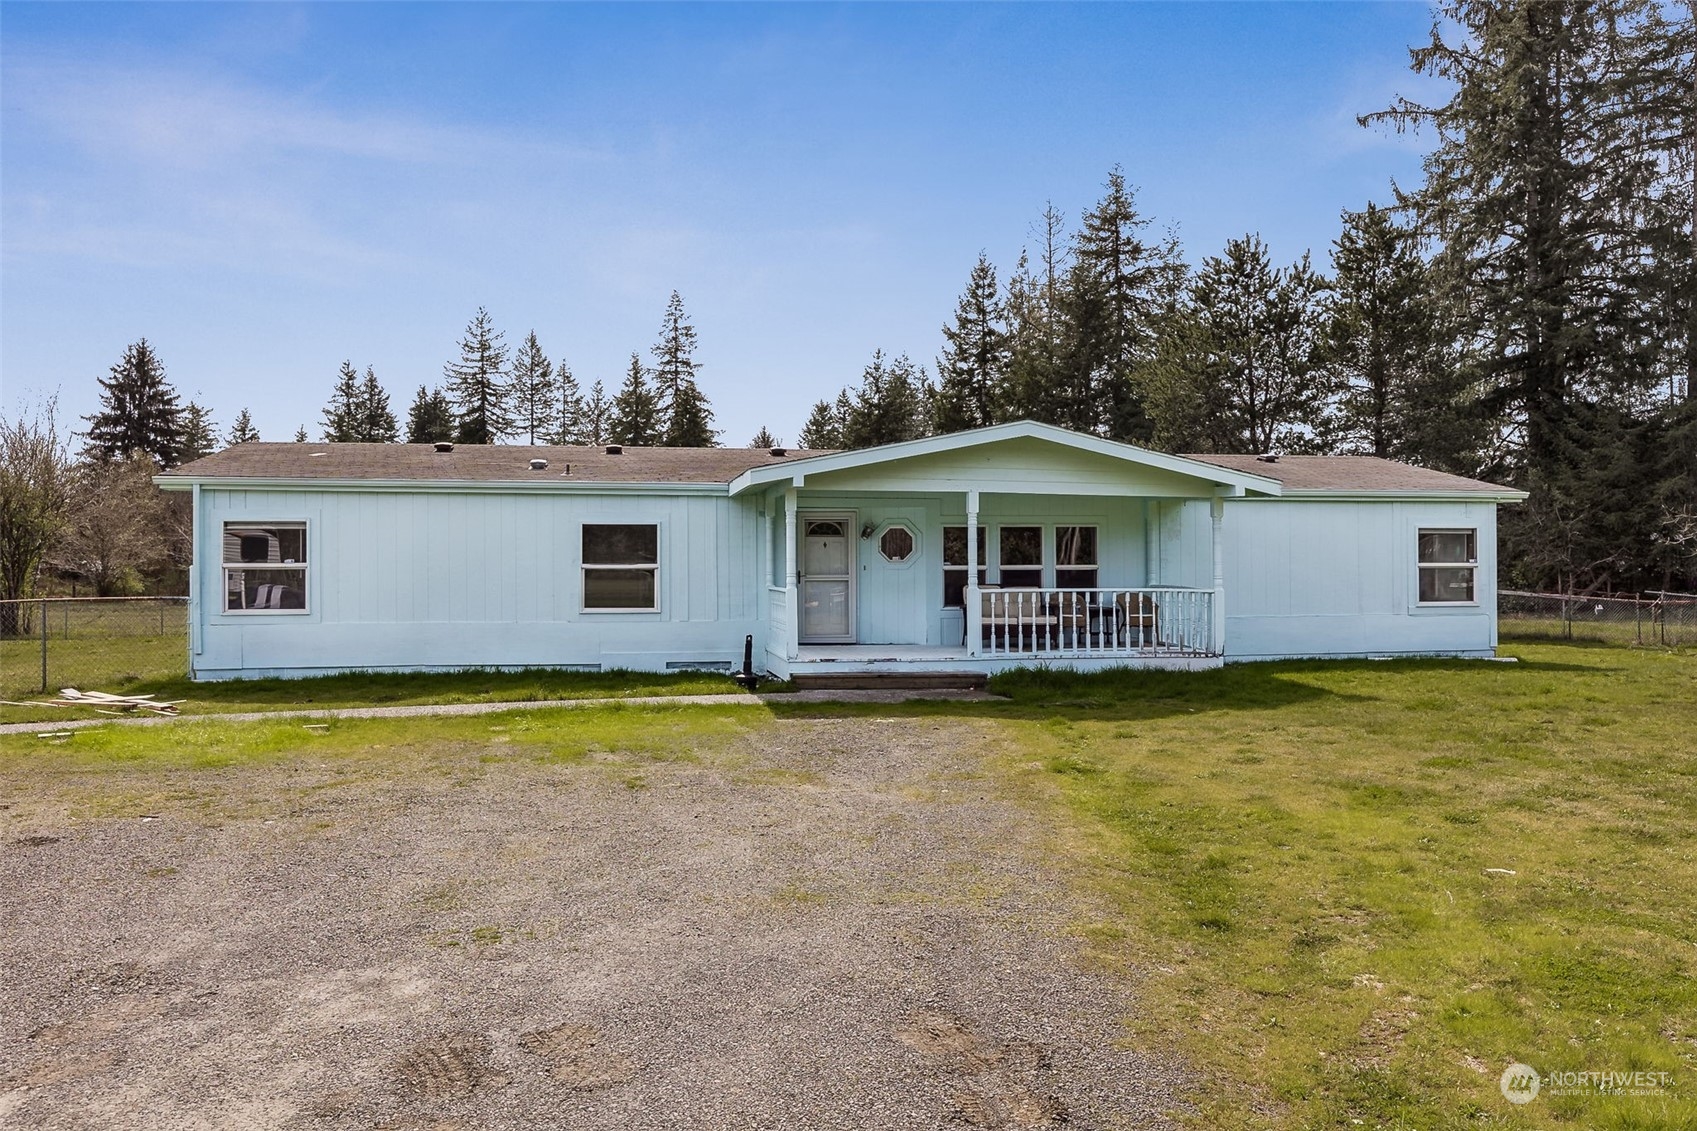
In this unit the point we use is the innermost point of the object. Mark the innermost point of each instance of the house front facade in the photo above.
(1005, 546)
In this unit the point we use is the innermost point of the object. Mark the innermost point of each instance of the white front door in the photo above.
(827, 578)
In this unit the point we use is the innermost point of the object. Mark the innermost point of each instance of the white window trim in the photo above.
(305, 568)
(1055, 541)
(584, 568)
(1419, 566)
(1043, 536)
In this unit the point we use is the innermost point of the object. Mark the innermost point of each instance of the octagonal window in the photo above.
(897, 544)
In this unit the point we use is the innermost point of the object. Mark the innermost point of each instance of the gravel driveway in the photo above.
(823, 924)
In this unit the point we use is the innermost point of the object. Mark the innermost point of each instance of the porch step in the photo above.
(890, 681)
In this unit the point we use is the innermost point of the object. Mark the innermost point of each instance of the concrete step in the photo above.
(890, 681)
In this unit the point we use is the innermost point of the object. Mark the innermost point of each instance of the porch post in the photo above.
(1151, 543)
(792, 626)
(973, 614)
(1217, 512)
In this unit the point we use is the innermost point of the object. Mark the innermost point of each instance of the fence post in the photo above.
(44, 645)
(1637, 618)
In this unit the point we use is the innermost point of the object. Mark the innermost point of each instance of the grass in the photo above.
(1360, 891)
(373, 689)
(1350, 894)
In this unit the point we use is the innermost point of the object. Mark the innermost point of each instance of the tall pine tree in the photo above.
(634, 416)
(1037, 326)
(891, 405)
(596, 419)
(823, 430)
(477, 384)
(534, 400)
(687, 418)
(344, 418)
(570, 427)
(430, 420)
(138, 411)
(200, 434)
(377, 419)
(974, 363)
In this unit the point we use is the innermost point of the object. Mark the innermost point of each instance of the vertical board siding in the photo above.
(480, 579)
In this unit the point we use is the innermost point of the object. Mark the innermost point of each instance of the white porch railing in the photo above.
(1090, 622)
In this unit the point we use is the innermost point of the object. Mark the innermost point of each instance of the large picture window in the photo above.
(954, 565)
(1075, 557)
(1022, 557)
(1449, 559)
(621, 564)
(264, 567)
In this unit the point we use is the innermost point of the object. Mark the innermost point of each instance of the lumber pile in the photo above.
(107, 704)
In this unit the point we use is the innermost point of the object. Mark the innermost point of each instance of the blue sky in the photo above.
(266, 190)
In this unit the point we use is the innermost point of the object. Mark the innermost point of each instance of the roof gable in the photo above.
(1019, 456)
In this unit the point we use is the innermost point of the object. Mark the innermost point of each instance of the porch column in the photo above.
(1217, 512)
(973, 613)
(792, 627)
(1151, 543)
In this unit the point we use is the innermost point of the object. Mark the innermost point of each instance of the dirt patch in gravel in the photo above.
(819, 924)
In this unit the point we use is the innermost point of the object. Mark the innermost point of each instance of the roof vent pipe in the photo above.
(444, 446)
(615, 449)
(539, 465)
(780, 451)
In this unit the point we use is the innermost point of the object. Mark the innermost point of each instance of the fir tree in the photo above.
(597, 418)
(1037, 329)
(1121, 285)
(823, 430)
(687, 418)
(300, 435)
(975, 356)
(430, 420)
(891, 405)
(634, 416)
(138, 411)
(377, 419)
(242, 431)
(200, 434)
(477, 383)
(344, 417)
(534, 393)
(571, 428)
(764, 439)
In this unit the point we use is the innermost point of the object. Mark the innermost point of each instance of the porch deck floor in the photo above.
(861, 653)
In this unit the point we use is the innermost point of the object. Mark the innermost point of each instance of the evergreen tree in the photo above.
(200, 434)
(300, 435)
(1404, 385)
(430, 420)
(891, 405)
(596, 420)
(572, 427)
(344, 416)
(1240, 364)
(975, 356)
(477, 384)
(1121, 285)
(823, 430)
(687, 418)
(138, 411)
(634, 416)
(764, 439)
(534, 393)
(377, 419)
(242, 431)
(1037, 326)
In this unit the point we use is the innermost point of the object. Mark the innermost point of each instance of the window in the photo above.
(1448, 561)
(620, 566)
(1075, 557)
(954, 565)
(264, 567)
(897, 543)
(1022, 557)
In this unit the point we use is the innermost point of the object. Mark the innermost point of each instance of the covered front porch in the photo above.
(1003, 552)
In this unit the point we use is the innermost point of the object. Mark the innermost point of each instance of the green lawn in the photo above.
(1350, 894)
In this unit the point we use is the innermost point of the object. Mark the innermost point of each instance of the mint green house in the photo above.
(1011, 545)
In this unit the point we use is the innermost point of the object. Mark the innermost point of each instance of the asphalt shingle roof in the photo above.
(500, 463)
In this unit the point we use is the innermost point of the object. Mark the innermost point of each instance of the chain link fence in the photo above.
(1667, 620)
(90, 643)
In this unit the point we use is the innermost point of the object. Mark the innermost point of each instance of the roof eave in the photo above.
(1346, 494)
(495, 486)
